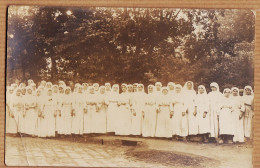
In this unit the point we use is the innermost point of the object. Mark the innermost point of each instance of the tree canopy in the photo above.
(130, 45)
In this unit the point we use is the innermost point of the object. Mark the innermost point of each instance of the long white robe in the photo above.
(238, 124)
(202, 105)
(189, 97)
(150, 116)
(124, 115)
(11, 122)
(112, 111)
(66, 110)
(164, 122)
(77, 118)
(59, 118)
(40, 120)
(101, 114)
(179, 122)
(225, 117)
(89, 116)
(214, 108)
(49, 112)
(31, 115)
(138, 107)
(248, 119)
(17, 106)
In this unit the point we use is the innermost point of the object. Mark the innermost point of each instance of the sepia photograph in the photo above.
(129, 87)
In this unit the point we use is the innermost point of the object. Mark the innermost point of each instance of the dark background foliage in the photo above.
(131, 45)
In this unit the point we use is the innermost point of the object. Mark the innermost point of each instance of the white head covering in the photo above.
(158, 83)
(164, 88)
(178, 86)
(203, 87)
(192, 85)
(115, 85)
(149, 87)
(67, 88)
(102, 87)
(140, 85)
(234, 88)
(226, 89)
(214, 84)
(250, 88)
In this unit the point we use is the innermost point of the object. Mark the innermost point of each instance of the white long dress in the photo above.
(238, 124)
(66, 109)
(248, 119)
(138, 108)
(214, 108)
(189, 97)
(11, 122)
(124, 115)
(150, 116)
(225, 117)
(77, 118)
(164, 122)
(40, 120)
(18, 110)
(202, 105)
(179, 122)
(89, 116)
(31, 115)
(112, 111)
(49, 111)
(59, 118)
(99, 116)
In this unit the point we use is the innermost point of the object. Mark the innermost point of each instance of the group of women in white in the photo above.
(171, 111)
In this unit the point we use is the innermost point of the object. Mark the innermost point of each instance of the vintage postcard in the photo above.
(129, 87)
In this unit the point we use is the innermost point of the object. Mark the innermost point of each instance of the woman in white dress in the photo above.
(112, 111)
(96, 87)
(238, 117)
(248, 100)
(17, 106)
(158, 87)
(78, 111)
(214, 98)
(60, 114)
(135, 87)
(85, 88)
(226, 131)
(150, 114)
(137, 112)
(30, 114)
(49, 112)
(165, 112)
(189, 96)
(202, 110)
(179, 116)
(38, 109)
(170, 87)
(66, 111)
(124, 113)
(11, 123)
(90, 110)
(108, 87)
(101, 114)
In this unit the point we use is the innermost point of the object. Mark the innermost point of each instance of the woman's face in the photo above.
(18, 93)
(92, 91)
(135, 88)
(11, 91)
(67, 91)
(189, 86)
(38, 93)
(130, 89)
(115, 89)
(29, 91)
(23, 91)
(108, 88)
(178, 90)
(171, 87)
(80, 90)
(85, 87)
(248, 92)
(226, 94)
(96, 87)
(49, 93)
(165, 92)
(213, 88)
(61, 90)
(158, 87)
(123, 88)
(55, 90)
(201, 90)
(49, 86)
(235, 92)
(102, 90)
(140, 88)
(150, 89)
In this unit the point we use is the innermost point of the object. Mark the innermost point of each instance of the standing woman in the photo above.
(248, 100)
(202, 110)
(49, 109)
(238, 116)
(38, 109)
(85, 88)
(90, 110)
(214, 98)
(226, 131)
(158, 87)
(78, 110)
(124, 113)
(96, 87)
(17, 106)
(149, 117)
(30, 114)
(170, 87)
(11, 122)
(137, 112)
(112, 111)
(108, 87)
(60, 114)
(179, 116)
(101, 114)
(189, 96)
(165, 112)
(66, 109)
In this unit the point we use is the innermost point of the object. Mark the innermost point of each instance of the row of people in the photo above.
(162, 112)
